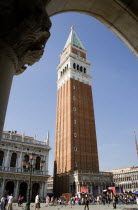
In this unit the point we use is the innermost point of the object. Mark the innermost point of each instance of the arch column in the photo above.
(25, 34)
(45, 189)
(6, 158)
(16, 191)
(8, 65)
(3, 187)
(20, 162)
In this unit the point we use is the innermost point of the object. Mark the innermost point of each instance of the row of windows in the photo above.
(79, 68)
(75, 66)
(126, 178)
(14, 160)
(129, 186)
(64, 70)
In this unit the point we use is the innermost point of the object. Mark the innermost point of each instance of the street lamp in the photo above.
(30, 167)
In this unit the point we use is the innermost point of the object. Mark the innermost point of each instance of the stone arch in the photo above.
(1, 157)
(37, 165)
(23, 190)
(35, 190)
(121, 16)
(13, 159)
(9, 188)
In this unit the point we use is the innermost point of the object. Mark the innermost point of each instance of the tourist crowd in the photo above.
(85, 199)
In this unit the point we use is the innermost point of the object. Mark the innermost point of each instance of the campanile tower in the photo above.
(76, 144)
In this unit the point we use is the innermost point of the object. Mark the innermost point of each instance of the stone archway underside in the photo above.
(120, 16)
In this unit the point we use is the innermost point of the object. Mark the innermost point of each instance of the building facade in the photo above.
(126, 179)
(50, 186)
(14, 177)
(76, 145)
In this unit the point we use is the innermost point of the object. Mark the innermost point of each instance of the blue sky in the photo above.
(32, 102)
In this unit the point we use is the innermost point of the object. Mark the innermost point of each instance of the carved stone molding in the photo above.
(25, 27)
(9, 52)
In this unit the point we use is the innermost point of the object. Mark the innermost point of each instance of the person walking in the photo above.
(115, 200)
(19, 200)
(3, 202)
(37, 202)
(47, 201)
(86, 204)
(10, 201)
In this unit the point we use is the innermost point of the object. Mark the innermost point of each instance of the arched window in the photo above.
(13, 160)
(1, 157)
(67, 66)
(61, 74)
(63, 71)
(74, 65)
(77, 67)
(26, 157)
(84, 70)
(81, 68)
(37, 165)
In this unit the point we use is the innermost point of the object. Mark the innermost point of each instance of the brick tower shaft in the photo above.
(76, 144)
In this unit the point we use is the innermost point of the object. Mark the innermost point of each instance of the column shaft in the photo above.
(8, 63)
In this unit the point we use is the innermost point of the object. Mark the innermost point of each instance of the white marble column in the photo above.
(20, 161)
(91, 189)
(45, 164)
(6, 158)
(77, 188)
(3, 187)
(16, 191)
(99, 190)
(45, 189)
(8, 65)
(41, 190)
(47, 161)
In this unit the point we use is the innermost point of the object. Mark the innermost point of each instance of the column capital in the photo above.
(25, 28)
(7, 50)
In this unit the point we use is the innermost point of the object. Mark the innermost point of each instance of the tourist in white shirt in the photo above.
(37, 202)
(10, 201)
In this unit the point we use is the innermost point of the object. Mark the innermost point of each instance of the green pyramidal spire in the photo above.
(73, 40)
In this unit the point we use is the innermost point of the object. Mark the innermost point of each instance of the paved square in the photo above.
(78, 207)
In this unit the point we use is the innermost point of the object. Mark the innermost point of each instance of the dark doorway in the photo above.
(9, 188)
(35, 190)
(23, 190)
(1, 157)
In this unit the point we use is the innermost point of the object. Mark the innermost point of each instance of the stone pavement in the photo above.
(78, 207)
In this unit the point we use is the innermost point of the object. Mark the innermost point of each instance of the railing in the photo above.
(94, 173)
(22, 170)
(24, 139)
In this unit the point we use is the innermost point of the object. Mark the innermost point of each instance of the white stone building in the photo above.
(50, 186)
(14, 177)
(126, 179)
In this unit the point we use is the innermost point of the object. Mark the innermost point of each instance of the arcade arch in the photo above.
(119, 16)
(23, 190)
(35, 190)
(9, 189)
